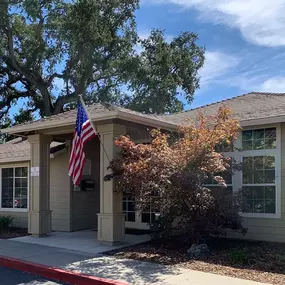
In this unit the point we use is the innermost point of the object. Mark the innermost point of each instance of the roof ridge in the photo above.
(210, 104)
(229, 99)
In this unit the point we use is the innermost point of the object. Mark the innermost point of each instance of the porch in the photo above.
(81, 241)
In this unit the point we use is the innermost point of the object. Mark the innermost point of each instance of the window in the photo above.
(211, 183)
(259, 139)
(129, 209)
(14, 188)
(152, 210)
(258, 184)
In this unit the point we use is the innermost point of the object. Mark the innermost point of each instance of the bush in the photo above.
(169, 177)
(6, 222)
(239, 256)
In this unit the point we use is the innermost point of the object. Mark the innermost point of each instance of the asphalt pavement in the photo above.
(15, 277)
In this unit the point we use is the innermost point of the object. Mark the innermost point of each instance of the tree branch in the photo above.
(55, 75)
(62, 100)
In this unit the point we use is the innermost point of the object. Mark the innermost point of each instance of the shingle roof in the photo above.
(96, 111)
(19, 150)
(254, 105)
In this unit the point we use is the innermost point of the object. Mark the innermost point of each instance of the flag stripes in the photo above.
(83, 133)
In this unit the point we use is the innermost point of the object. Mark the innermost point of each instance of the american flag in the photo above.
(83, 133)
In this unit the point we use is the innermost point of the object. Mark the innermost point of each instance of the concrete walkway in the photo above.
(85, 241)
(131, 271)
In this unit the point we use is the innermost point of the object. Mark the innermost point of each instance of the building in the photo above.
(36, 190)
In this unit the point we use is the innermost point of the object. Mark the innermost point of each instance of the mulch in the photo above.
(262, 262)
(13, 233)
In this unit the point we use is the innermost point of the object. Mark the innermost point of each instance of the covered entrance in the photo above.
(54, 204)
(94, 204)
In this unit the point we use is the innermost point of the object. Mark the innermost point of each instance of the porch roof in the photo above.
(19, 149)
(98, 112)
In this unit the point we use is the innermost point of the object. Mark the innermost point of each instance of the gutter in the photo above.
(262, 121)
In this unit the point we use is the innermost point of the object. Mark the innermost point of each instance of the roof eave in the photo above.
(263, 121)
(152, 122)
(43, 126)
(118, 114)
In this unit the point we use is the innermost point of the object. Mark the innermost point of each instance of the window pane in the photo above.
(21, 182)
(259, 139)
(269, 176)
(270, 133)
(131, 217)
(247, 206)
(269, 162)
(7, 188)
(248, 192)
(258, 170)
(270, 206)
(258, 162)
(270, 143)
(258, 193)
(259, 199)
(247, 174)
(247, 145)
(258, 134)
(270, 192)
(145, 217)
(258, 177)
(258, 206)
(131, 206)
(247, 135)
(258, 144)
(21, 172)
(7, 172)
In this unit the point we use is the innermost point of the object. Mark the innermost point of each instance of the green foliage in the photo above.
(6, 222)
(53, 50)
(239, 256)
(161, 228)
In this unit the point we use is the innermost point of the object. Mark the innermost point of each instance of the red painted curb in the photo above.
(50, 272)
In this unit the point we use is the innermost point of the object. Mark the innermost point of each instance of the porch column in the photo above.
(111, 220)
(39, 217)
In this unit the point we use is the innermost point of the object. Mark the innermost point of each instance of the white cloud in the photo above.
(261, 22)
(217, 64)
(275, 84)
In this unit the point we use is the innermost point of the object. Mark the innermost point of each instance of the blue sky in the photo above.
(244, 41)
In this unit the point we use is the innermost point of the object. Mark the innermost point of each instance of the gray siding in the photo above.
(86, 204)
(60, 192)
(269, 229)
(59, 197)
(20, 218)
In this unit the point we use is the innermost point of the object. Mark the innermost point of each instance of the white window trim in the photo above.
(28, 193)
(237, 176)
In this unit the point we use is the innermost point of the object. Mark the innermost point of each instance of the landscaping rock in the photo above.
(200, 250)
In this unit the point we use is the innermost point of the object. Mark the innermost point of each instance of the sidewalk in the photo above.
(130, 271)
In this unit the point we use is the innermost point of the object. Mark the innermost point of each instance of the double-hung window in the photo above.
(259, 171)
(129, 209)
(14, 187)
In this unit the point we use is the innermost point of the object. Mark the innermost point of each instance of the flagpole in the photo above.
(93, 127)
